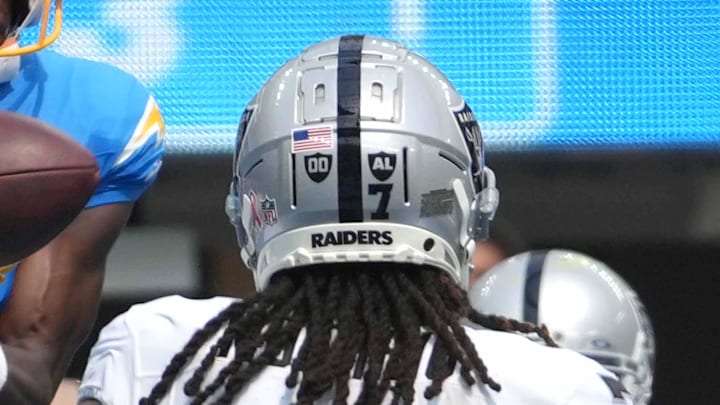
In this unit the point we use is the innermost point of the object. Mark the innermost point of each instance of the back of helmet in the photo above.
(359, 150)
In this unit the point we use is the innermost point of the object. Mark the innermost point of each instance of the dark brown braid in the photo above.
(501, 323)
(379, 333)
(360, 321)
(191, 347)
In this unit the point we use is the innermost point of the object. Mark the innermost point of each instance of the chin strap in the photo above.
(477, 216)
(35, 12)
(484, 207)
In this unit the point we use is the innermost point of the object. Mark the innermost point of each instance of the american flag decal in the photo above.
(312, 139)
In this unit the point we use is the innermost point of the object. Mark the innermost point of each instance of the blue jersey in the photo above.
(101, 107)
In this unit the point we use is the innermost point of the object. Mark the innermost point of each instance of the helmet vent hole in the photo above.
(319, 93)
(377, 91)
(428, 245)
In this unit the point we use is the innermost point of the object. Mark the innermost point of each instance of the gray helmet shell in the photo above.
(359, 150)
(586, 306)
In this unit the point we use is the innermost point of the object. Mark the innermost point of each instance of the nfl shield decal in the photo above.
(382, 165)
(269, 210)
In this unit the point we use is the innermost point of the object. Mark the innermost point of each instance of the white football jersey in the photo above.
(133, 350)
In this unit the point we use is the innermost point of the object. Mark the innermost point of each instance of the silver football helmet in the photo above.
(359, 150)
(586, 306)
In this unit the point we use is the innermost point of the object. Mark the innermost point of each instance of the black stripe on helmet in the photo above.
(533, 276)
(349, 168)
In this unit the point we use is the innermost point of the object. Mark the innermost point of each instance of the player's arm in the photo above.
(54, 301)
(53, 304)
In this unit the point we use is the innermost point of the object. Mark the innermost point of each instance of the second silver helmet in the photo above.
(586, 306)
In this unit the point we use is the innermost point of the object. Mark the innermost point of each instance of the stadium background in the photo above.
(602, 121)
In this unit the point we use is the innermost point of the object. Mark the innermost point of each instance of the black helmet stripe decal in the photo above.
(533, 276)
(349, 160)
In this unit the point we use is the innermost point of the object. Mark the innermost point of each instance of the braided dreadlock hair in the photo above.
(351, 315)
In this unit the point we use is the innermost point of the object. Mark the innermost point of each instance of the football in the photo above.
(46, 178)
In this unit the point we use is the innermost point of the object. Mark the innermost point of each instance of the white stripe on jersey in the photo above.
(151, 123)
(134, 349)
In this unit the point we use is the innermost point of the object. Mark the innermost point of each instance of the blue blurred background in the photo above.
(540, 74)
